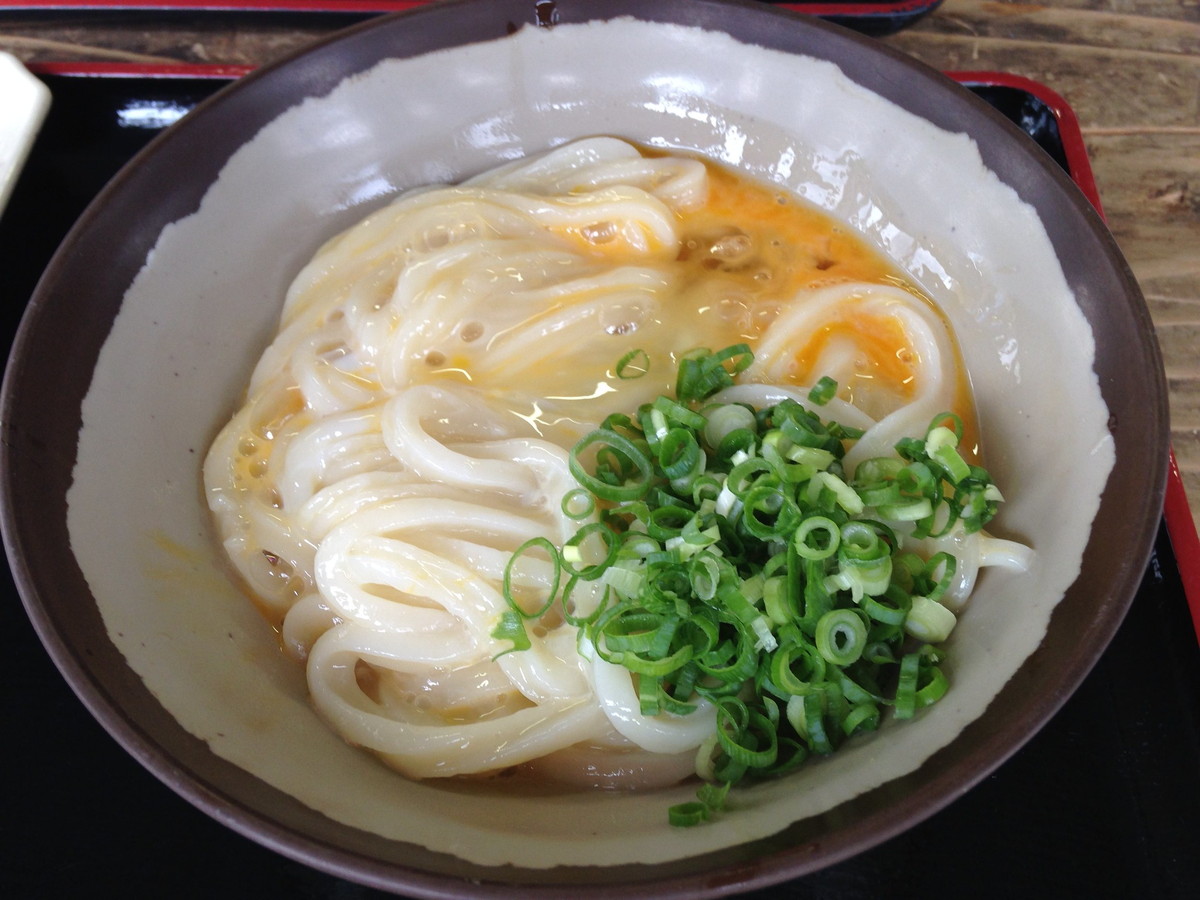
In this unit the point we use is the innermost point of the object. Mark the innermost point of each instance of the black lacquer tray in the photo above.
(1103, 802)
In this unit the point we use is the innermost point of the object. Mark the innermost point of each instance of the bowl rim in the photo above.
(220, 789)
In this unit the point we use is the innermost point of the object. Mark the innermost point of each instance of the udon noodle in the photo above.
(404, 433)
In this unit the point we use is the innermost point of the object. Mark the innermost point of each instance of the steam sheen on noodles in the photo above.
(404, 434)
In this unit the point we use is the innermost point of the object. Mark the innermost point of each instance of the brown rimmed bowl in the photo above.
(144, 327)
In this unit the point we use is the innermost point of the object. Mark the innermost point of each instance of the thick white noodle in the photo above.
(419, 742)
(372, 502)
(660, 734)
(400, 440)
(928, 338)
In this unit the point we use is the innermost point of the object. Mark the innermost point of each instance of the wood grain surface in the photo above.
(1129, 68)
(1131, 71)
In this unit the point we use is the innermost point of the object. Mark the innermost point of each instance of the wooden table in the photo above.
(1130, 69)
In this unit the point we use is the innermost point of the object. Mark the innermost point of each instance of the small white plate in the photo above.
(21, 113)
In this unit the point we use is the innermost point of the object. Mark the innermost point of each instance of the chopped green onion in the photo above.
(627, 458)
(511, 627)
(863, 717)
(578, 504)
(702, 374)
(934, 688)
(906, 686)
(823, 391)
(633, 364)
(841, 636)
(726, 556)
(572, 550)
(817, 537)
(710, 800)
(929, 621)
(507, 583)
(726, 419)
(691, 813)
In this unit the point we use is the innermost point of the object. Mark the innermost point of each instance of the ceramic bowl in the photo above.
(143, 331)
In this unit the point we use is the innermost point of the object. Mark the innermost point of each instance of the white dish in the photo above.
(22, 110)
